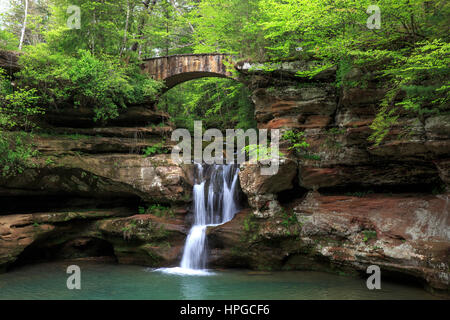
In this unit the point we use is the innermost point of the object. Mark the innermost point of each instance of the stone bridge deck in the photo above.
(176, 69)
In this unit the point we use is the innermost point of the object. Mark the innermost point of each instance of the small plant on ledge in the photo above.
(155, 149)
(297, 141)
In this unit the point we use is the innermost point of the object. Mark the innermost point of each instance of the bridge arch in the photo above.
(176, 69)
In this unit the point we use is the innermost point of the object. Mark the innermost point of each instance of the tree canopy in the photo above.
(96, 64)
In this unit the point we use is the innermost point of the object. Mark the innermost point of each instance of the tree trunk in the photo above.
(22, 33)
(126, 29)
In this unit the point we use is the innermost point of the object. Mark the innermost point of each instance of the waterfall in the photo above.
(215, 203)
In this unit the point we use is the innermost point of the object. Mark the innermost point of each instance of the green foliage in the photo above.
(290, 222)
(49, 161)
(250, 227)
(17, 107)
(17, 112)
(309, 156)
(289, 219)
(424, 76)
(369, 235)
(142, 210)
(228, 26)
(258, 152)
(220, 103)
(155, 149)
(8, 41)
(15, 153)
(102, 26)
(297, 141)
(84, 81)
(345, 65)
(158, 210)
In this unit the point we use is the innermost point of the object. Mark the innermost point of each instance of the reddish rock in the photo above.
(401, 233)
(19, 231)
(293, 107)
(384, 174)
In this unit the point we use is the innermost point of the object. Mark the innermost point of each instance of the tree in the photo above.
(24, 25)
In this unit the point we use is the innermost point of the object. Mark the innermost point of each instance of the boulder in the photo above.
(253, 182)
(261, 189)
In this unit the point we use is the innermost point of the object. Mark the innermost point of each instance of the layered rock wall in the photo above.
(94, 190)
(343, 204)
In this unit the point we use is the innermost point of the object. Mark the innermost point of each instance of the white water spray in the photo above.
(214, 204)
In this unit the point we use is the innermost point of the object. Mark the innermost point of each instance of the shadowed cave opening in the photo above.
(26, 204)
(76, 248)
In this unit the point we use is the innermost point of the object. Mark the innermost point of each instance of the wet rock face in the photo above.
(294, 107)
(79, 158)
(368, 176)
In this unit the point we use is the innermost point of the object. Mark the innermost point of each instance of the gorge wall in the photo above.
(92, 192)
(342, 207)
(346, 204)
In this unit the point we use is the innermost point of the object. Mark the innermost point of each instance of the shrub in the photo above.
(15, 153)
(297, 141)
(17, 109)
(84, 80)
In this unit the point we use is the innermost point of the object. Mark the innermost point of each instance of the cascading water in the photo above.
(214, 204)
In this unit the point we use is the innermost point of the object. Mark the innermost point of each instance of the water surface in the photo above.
(112, 281)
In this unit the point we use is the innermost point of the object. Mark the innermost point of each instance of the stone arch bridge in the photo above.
(176, 69)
